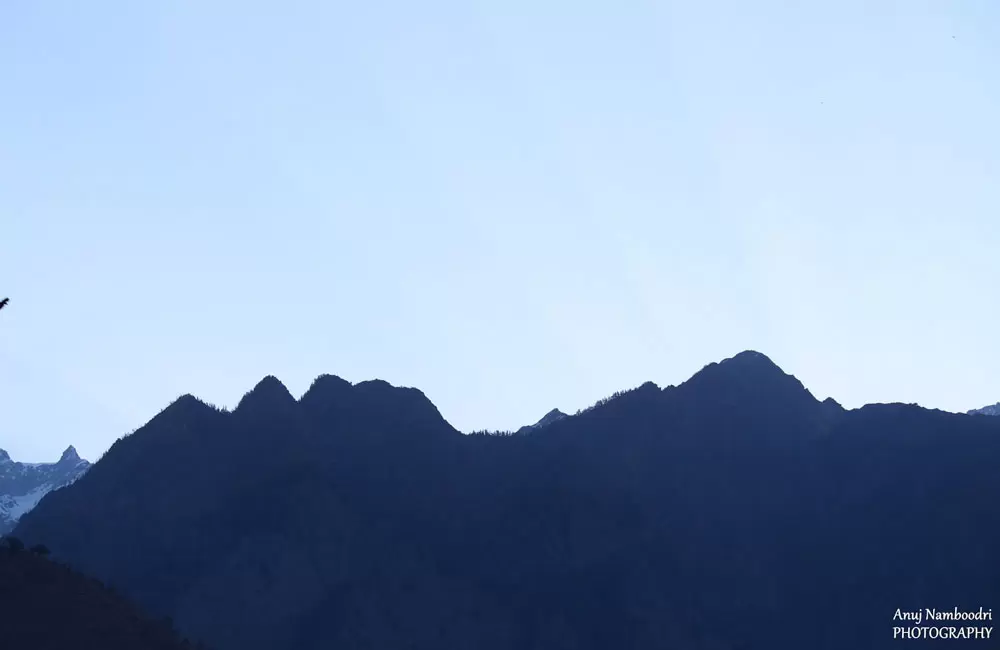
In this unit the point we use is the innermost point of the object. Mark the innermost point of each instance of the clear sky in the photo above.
(512, 206)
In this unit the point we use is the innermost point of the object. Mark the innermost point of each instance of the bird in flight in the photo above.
(3, 303)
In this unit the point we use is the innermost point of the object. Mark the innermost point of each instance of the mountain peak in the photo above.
(269, 391)
(751, 381)
(550, 417)
(751, 358)
(407, 407)
(4, 456)
(748, 364)
(183, 406)
(270, 383)
(986, 410)
(70, 455)
(327, 390)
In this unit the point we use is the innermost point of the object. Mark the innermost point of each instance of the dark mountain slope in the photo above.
(45, 606)
(732, 511)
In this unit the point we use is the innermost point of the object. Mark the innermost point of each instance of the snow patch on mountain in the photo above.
(987, 410)
(24, 485)
(16, 506)
(552, 416)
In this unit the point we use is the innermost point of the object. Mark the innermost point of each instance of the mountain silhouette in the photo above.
(734, 510)
(268, 396)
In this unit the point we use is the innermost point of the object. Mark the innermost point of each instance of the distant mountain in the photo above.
(987, 410)
(22, 485)
(732, 512)
(552, 416)
(45, 606)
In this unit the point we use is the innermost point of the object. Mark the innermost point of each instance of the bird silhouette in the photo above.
(3, 303)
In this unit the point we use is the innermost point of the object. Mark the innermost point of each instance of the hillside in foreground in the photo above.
(46, 606)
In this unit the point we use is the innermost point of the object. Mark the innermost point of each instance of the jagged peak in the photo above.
(4, 456)
(70, 455)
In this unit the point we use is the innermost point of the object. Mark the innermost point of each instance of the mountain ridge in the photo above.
(24, 485)
(696, 516)
(993, 409)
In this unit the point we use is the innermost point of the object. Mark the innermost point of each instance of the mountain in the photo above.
(552, 416)
(46, 606)
(734, 511)
(987, 410)
(22, 485)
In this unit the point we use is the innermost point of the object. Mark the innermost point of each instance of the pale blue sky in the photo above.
(513, 206)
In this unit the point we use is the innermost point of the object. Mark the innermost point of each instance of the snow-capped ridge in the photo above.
(23, 485)
(986, 410)
(552, 416)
